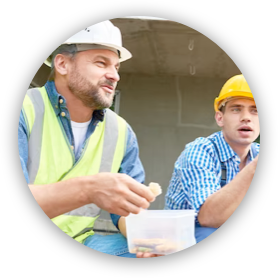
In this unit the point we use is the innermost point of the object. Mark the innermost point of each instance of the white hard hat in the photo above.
(100, 34)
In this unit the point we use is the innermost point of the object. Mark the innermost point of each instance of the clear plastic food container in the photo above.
(160, 231)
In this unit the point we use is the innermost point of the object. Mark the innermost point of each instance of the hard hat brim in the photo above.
(124, 53)
(231, 95)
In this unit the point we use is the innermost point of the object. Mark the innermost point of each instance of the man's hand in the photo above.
(118, 193)
(146, 255)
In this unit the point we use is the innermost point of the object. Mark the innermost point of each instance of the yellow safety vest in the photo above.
(51, 159)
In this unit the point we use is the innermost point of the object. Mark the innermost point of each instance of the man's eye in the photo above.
(235, 109)
(255, 111)
(101, 63)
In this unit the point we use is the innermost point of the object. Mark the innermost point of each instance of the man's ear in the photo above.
(61, 64)
(219, 118)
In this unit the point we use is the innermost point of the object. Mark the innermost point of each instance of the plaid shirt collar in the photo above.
(55, 98)
(225, 151)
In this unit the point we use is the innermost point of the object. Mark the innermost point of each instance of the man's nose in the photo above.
(113, 74)
(246, 116)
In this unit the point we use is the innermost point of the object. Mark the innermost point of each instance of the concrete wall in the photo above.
(167, 90)
(166, 112)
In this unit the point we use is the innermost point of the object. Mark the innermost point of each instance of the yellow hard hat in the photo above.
(233, 88)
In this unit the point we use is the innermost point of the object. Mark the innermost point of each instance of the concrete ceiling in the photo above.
(163, 47)
(167, 47)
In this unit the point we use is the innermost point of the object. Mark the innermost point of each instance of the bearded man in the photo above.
(79, 157)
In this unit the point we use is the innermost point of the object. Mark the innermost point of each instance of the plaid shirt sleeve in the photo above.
(196, 176)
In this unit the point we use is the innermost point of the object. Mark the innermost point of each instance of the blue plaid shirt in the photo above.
(197, 172)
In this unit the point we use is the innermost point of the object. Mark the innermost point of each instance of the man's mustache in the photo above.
(107, 82)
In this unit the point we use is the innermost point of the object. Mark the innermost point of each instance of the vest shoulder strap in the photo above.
(222, 164)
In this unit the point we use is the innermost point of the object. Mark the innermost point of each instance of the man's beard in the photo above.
(88, 93)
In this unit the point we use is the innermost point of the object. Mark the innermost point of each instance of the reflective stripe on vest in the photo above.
(51, 158)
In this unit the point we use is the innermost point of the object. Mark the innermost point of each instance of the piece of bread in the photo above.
(155, 188)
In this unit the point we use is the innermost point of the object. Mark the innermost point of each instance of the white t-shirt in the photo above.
(79, 133)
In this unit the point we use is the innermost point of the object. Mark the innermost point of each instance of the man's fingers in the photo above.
(137, 201)
(123, 195)
(121, 212)
(128, 208)
(145, 255)
(139, 255)
(142, 190)
(131, 208)
(124, 208)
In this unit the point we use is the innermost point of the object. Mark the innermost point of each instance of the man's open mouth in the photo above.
(247, 128)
